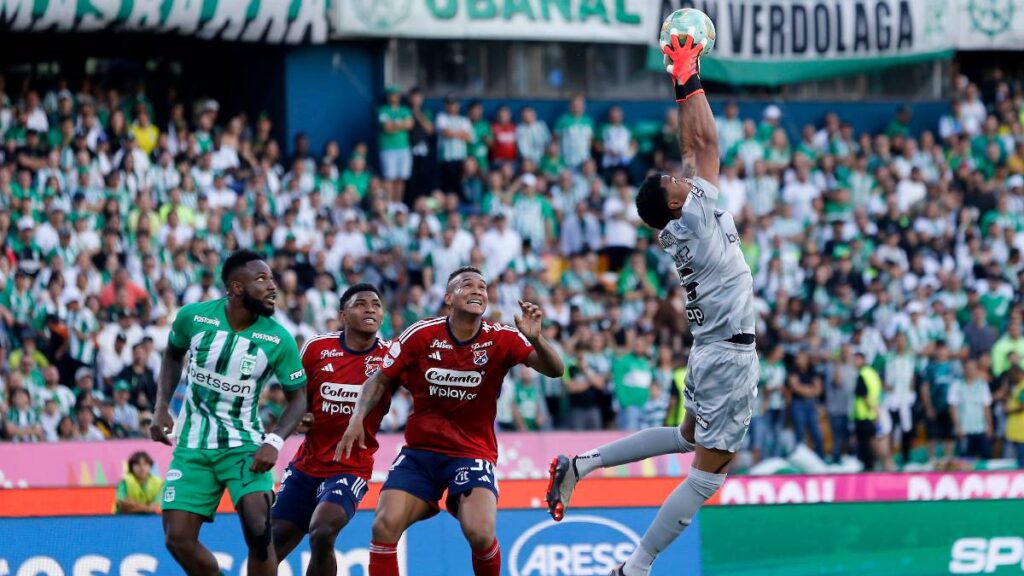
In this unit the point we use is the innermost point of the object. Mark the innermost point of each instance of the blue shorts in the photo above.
(426, 475)
(300, 494)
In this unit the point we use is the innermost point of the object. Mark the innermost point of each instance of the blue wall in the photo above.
(331, 93)
(586, 543)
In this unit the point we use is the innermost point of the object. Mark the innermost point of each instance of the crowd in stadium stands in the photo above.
(894, 255)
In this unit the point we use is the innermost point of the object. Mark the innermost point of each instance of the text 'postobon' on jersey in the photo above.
(454, 385)
(705, 246)
(336, 375)
(226, 373)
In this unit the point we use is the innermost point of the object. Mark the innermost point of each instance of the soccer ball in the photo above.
(689, 21)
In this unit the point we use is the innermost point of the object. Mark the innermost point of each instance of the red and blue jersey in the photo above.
(454, 385)
(335, 375)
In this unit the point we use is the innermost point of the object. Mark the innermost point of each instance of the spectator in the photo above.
(22, 420)
(528, 404)
(939, 376)
(139, 490)
(50, 418)
(125, 414)
(1011, 343)
(867, 402)
(655, 409)
(532, 136)
(899, 395)
(454, 135)
(969, 403)
(576, 133)
(632, 376)
(806, 389)
(839, 400)
(84, 428)
(503, 146)
(396, 122)
(1015, 414)
(615, 146)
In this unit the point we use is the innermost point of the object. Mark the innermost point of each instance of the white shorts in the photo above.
(720, 391)
(396, 164)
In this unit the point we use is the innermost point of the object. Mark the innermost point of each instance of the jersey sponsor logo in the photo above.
(327, 368)
(248, 365)
(206, 320)
(577, 546)
(445, 377)
(702, 421)
(295, 375)
(331, 354)
(173, 474)
(986, 555)
(480, 357)
(480, 345)
(220, 383)
(266, 337)
(443, 344)
(696, 190)
(695, 315)
(339, 398)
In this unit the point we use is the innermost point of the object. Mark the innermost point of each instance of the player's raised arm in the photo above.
(698, 136)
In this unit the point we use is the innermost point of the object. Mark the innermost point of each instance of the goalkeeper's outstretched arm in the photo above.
(698, 135)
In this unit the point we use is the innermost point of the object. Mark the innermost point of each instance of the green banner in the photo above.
(905, 538)
(268, 21)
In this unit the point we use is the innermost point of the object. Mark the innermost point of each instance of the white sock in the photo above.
(634, 448)
(588, 462)
(639, 562)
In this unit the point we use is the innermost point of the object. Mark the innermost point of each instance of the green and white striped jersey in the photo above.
(226, 372)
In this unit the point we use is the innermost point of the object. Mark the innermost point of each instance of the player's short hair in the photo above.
(236, 262)
(459, 271)
(356, 289)
(652, 202)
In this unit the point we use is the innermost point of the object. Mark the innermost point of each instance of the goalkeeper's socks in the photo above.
(383, 558)
(487, 562)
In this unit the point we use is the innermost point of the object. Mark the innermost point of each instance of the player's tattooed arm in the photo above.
(170, 374)
(373, 390)
(698, 139)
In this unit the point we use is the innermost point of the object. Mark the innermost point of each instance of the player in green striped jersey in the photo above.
(235, 349)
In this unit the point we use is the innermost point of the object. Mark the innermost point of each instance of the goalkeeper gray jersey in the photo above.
(705, 246)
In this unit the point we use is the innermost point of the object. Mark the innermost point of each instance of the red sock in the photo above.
(384, 559)
(487, 562)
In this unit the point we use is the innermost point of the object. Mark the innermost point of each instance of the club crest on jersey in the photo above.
(480, 357)
(248, 365)
(371, 367)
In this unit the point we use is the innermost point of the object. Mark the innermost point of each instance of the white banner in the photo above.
(823, 31)
(615, 21)
(988, 25)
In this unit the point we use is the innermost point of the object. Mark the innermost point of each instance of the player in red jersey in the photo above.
(454, 367)
(318, 494)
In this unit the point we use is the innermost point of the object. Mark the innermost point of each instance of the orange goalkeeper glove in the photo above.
(685, 65)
